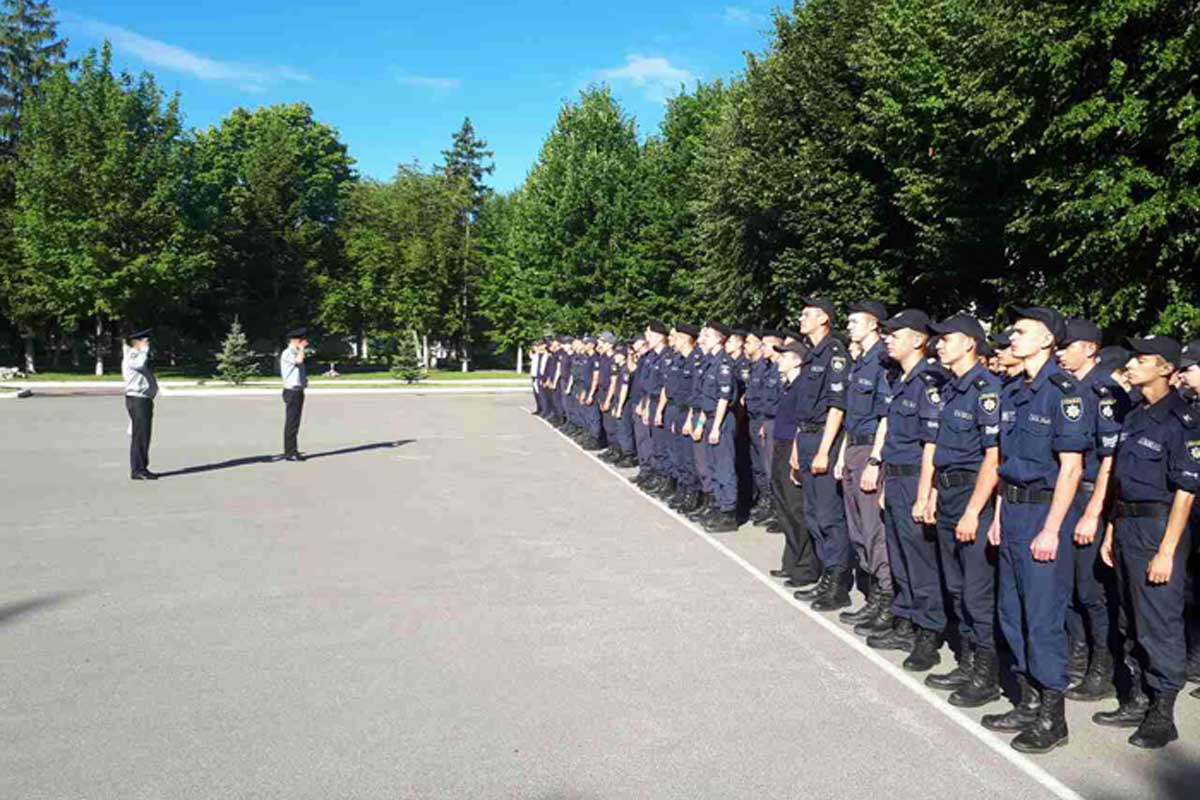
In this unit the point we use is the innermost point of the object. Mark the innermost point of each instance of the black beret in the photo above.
(142, 334)
(964, 324)
(1190, 355)
(658, 326)
(297, 333)
(719, 328)
(823, 303)
(1047, 316)
(1163, 346)
(1080, 330)
(873, 307)
(912, 318)
(798, 347)
(686, 328)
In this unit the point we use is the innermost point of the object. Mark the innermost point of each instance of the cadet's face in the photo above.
(733, 345)
(1143, 369)
(1075, 356)
(953, 347)
(860, 325)
(789, 362)
(1191, 376)
(1029, 337)
(902, 343)
(811, 320)
(752, 346)
(768, 345)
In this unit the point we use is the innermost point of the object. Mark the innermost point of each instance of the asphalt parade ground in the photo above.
(448, 600)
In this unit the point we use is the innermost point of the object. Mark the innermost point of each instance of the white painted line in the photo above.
(997, 745)
(165, 392)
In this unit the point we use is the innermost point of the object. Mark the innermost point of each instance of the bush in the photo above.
(406, 363)
(236, 362)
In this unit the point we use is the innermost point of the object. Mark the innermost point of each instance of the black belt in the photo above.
(1122, 509)
(810, 427)
(958, 477)
(1021, 494)
(901, 470)
(859, 439)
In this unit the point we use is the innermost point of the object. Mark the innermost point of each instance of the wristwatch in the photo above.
(873, 461)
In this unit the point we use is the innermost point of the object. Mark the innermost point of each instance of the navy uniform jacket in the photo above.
(866, 400)
(604, 365)
(970, 420)
(741, 368)
(785, 414)
(705, 363)
(1038, 419)
(756, 387)
(825, 371)
(654, 376)
(914, 405)
(673, 377)
(1159, 452)
(719, 383)
(641, 380)
(1112, 404)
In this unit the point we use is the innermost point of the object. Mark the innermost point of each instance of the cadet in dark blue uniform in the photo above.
(1091, 668)
(858, 465)
(1157, 472)
(821, 406)
(623, 407)
(660, 436)
(707, 353)
(912, 427)
(966, 458)
(649, 406)
(762, 399)
(1045, 428)
(799, 563)
(680, 387)
(1189, 378)
(718, 394)
(655, 334)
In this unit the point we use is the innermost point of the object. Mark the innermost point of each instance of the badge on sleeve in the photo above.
(837, 363)
(934, 395)
(1193, 448)
(990, 402)
(1108, 408)
(1072, 408)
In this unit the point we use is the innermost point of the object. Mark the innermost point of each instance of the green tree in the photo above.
(236, 363)
(30, 51)
(406, 363)
(97, 219)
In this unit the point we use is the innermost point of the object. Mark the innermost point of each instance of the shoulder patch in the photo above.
(989, 402)
(1072, 408)
(837, 363)
(1193, 450)
(1065, 384)
(1108, 407)
(935, 396)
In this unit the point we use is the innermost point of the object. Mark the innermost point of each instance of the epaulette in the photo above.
(931, 378)
(981, 383)
(1101, 390)
(1187, 414)
(1064, 384)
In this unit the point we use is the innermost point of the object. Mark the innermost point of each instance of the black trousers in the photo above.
(799, 556)
(141, 416)
(293, 402)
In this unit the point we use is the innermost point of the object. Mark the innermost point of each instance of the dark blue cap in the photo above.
(912, 318)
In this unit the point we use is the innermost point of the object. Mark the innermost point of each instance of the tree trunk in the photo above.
(100, 345)
(425, 350)
(520, 359)
(364, 351)
(30, 366)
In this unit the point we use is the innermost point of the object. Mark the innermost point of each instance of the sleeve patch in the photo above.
(990, 402)
(1072, 408)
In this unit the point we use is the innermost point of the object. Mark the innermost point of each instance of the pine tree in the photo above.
(29, 51)
(236, 362)
(406, 364)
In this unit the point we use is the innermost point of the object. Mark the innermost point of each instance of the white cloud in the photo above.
(250, 77)
(657, 76)
(740, 15)
(427, 82)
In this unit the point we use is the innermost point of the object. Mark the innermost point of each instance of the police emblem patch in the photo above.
(989, 403)
(837, 363)
(934, 396)
(1108, 408)
(1072, 408)
(1193, 449)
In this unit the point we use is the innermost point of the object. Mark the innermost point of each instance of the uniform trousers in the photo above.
(864, 519)
(824, 511)
(912, 553)
(1153, 614)
(1088, 612)
(293, 403)
(641, 435)
(968, 568)
(1033, 595)
(799, 556)
(609, 422)
(141, 420)
(625, 431)
(720, 459)
(760, 453)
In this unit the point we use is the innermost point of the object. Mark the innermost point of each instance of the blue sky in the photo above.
(397, 78)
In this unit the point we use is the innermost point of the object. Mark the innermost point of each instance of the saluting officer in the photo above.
(821, 406)
(1091, 670)
(141, 387)
(1045, 428)
(1157, 472)
(912, 426)
(295, 380)
(859, 460)
(966, 459)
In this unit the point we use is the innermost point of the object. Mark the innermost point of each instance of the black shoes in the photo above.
(1049, 730)
(816, 590)
(836, 594)
(780, 573)
(882, 622)
(144, 475)
(722, 522)
(294, 457)
(1097, 683)
(959, 676)
(868, 610)
(983, 684)
(1130, 713)
(924, 655)
(900, 637)
(1077, 662)
(1158, 728)
(1024, 714)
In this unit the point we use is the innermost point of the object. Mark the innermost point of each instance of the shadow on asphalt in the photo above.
(1173, 777)
(12, 611)
(267, 459)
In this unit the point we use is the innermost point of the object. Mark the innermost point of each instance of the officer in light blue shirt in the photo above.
(295, 381)
(141, 388)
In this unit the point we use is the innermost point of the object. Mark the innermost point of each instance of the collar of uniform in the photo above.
(874, 352)
(1039, 380)
(1162, 408)
(817, 350)
(921, 366)
(963, 383)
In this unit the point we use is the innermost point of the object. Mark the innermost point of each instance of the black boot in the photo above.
(1158, 728)
(883, 621)
(1097, 684)
(1077, 662)
(1023, 714)
(675, 499)
(836, 594)
(925, 655)
(900, 637)
(703, 509)
(667, 488)
(868, 609)
(817, 589)
(1130, 712)
(690, 502)
(627, 461)
(959, 676)
(984, 684)
(1049, 730)
(762, 510)
(722, 522)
